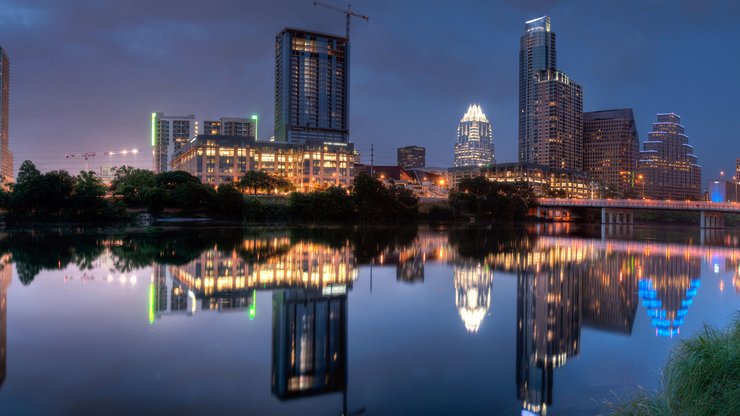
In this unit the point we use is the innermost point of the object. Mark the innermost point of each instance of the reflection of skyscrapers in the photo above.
(473, 284)
(667, 288)
(309, 343)
(5, 277)
(610, 293)
(410, 267)
(548, 327)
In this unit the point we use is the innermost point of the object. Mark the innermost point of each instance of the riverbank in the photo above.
(702, 377)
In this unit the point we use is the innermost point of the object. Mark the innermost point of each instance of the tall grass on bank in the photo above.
(702, 377)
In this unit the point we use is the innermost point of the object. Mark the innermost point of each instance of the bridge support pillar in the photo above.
(617, 216)
(709, 219)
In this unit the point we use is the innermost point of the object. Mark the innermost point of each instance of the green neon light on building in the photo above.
(154, 123)
(253, 306)
(256, 126)
(151, 304)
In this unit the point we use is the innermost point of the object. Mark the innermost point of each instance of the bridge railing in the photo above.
(641, 203)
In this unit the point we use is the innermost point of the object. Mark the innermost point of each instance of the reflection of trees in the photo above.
(34, 251)
(480, 241)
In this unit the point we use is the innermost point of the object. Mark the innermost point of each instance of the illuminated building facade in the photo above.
(668, 163)
(309, 343)
(611, 149)
(6, 156)
(217, 160)
(311, 87)
(544, 180)
(474, 146)
(410, 157)
(737, 171)
(473, 284)
(230, 126)
(169, 135)
(536, 53)
(723, 191)
(557, 125)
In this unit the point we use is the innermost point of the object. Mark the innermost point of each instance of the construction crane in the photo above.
(348, 13)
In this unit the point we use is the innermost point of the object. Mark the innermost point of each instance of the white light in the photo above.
(135, 151)
(132, 279)
(125, 152)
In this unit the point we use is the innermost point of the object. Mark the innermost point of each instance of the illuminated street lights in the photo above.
(641, 177)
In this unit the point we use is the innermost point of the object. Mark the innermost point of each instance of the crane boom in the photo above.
(348, 13)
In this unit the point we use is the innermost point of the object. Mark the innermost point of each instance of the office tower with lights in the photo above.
(611, 149)
(737, 170)
(6, 157)
(550, 103)
(474, 146)
(536, 53)
(667, 162)
(311, 87)
(230, 126)
(410, 157)
(170, 134)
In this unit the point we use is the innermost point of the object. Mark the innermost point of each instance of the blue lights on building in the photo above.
(666, 325)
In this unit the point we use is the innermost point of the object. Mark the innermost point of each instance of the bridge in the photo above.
(621, 211)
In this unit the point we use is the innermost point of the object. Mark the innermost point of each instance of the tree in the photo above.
(229, 202)
(193, 197)
(483, 198)
(88, 196)
(172, 179)
(256, 181)
(131, 184)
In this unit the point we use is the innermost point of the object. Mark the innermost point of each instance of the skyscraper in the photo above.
(6, 157)
(550, 103)
(311, 87)
(411, 157)
(170, 134)
(667, 162)
(737, 170)
(474, 146)
(536, 53)
(611, 149)
(557, 122)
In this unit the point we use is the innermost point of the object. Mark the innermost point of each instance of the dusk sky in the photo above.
(87, 74)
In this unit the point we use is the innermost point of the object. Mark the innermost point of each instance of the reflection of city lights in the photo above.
(151, 304)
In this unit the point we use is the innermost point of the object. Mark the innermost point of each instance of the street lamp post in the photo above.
(641, 177)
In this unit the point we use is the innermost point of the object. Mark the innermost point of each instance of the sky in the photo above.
(87, 74)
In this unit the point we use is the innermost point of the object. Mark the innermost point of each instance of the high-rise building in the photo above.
(737, 170)
(230, 126)
(6, 157)
(536, 53)
(474, 146)
(170, 134)
(550, 103)
(410, 157)
(668, 165)
(311, 87)
(611, 149)
(558, 122)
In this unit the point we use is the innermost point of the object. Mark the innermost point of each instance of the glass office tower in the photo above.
(311, 87)
(536, 53)
(474, 146)
(6, 157)
(667, 162)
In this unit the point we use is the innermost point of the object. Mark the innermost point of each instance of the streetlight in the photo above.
(642, 179)
(256, 126)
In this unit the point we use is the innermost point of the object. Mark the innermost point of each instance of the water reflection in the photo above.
(564, 281)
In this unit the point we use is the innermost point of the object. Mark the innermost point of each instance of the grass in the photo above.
(702, 378)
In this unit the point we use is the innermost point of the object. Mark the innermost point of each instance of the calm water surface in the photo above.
(311, 321)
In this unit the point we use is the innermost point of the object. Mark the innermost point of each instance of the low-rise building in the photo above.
(544, 180)
(217, 160)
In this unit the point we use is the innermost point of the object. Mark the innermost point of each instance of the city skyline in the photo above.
(77, 86)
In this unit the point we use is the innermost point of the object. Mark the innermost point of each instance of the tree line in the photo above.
(59, 196)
